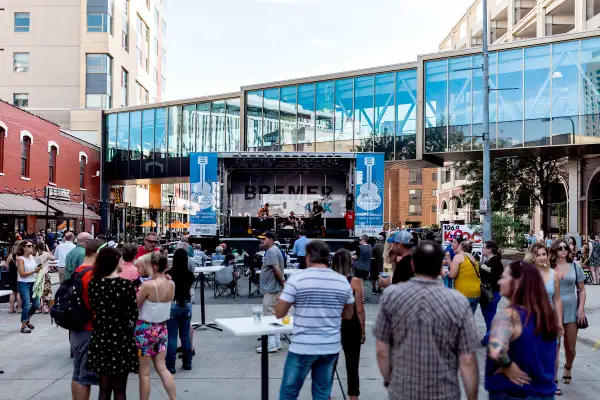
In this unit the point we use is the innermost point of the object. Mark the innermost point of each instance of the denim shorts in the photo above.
(80, 342)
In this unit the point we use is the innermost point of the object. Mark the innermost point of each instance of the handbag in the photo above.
(487, 295)
(584, 324)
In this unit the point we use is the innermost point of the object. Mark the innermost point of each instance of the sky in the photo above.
(217, 46)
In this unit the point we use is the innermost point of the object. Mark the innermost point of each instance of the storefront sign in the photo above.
(369, 194)
(118, 196)
(55, 193)
(203, 184)
(450, 232)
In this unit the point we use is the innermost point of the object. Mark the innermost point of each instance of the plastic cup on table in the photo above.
(257, 312)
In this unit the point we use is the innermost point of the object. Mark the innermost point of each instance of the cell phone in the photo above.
(275, 324)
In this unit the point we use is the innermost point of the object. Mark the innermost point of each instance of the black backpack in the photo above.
(69, 310)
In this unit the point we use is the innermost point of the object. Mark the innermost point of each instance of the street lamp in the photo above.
(170, 222)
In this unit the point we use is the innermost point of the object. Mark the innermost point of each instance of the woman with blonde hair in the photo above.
(465, 272)
(537, 255)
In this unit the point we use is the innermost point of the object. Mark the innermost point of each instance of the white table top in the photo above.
(215, 268)
(286, 271)
(246, 327)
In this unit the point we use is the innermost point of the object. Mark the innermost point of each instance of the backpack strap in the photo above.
(85, 271)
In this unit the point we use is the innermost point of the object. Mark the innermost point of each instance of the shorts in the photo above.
(374, 275)
(361, 274)
(269, 302)
(80, 342)
(150, 338)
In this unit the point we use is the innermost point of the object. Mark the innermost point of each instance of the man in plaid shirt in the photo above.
(426, 334)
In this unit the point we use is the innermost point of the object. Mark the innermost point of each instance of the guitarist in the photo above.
(316, 217)
(263, 214)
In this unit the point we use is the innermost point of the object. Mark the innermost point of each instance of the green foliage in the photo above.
(505, 227)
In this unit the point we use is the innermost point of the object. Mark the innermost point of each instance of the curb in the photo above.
(589, 341)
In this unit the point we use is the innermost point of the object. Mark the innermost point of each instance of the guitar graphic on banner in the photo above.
(202, 190)
(369, 198)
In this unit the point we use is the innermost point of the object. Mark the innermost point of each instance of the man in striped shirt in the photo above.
(321, 298)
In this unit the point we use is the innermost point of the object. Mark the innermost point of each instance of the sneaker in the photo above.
(279, 346)
(187, 367)
(269, 350)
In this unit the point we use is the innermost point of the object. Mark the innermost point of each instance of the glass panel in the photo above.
(111, 128)
(233, 125)
(147, 134)
(203, 132)
(271, 120)
(384, 114)
(477, 127)
(364, 113)
(160, 135)
(306, 117)
(324, 115)
(123, 137)
(436, 106)
(21, 22)
(174, 142)
(344, 115)
(188, 127)
(254, 111)
(288, 111)
(135, 148)
(406, 115)
(414, 202)
(510, 107)
(459, 103)
(217, 126)
(589, 76)
(537, 96)
(565, 92)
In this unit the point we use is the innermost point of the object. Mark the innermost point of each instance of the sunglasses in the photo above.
(562, 248)
(151, 241)
(28, 245)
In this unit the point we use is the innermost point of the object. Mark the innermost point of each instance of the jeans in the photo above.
(297, 367)
(29, 303)
(500, 396)
(181, 318)
(489, 311)
(473, 301)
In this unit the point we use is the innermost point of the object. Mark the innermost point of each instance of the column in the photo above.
(573, 197)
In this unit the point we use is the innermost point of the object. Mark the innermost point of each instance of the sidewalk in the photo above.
(591, 335)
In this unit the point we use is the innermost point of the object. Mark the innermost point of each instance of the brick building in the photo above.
(36, 154)
(411, 197)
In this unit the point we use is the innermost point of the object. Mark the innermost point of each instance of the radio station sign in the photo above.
(55, 193)
(450, 232)
(369, 194)
(203, 184)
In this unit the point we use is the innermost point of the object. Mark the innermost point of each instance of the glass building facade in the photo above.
(358, 114)
(539, 96)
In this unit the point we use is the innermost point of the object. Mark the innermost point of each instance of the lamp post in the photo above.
(83, 211)
(485, 207)
(170, 222)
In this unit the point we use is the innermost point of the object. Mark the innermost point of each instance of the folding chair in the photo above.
(253, 279)
(225, 282)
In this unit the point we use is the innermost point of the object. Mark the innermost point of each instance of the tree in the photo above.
(503, 226)
(535, 175)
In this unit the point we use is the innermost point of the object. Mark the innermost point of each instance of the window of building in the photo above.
(434, 176)
(155, 75)
(124, 87)
(433, 193)
(52, 165)
(21, 62)
(141, 94)
(434, 208)
(82, 162)
(459, 175)
(99, 22)
(99, 64)
(147, 4)
(142, 43)
(125, 35)
(446, 175)
(414, 202)
(156, 16)
(22, 22)
(415, 176)
(2, 133)
(25, 151)
(21, 99)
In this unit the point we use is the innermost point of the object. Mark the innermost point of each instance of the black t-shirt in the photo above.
(318, 209)
(403, 271)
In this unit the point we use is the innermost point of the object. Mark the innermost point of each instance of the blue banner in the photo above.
(369, 180)
(203, 185)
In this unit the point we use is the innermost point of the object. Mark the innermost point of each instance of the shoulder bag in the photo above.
(487, 295)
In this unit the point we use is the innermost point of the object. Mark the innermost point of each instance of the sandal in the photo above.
(25, 330)
(30, 325)
(558, 390)
(567, 379)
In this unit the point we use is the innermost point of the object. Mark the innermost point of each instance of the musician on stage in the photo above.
(263, 212)
(316, 216)
(292, 220)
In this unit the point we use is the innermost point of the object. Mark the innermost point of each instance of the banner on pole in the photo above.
(203, 184)
(450, 232)
(369, 193)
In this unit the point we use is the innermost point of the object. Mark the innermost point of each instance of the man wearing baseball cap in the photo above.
(403, 243)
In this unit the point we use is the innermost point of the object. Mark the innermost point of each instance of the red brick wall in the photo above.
(397, 195)
(67, 161)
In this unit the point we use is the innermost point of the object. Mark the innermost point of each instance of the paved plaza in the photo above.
(37, 366)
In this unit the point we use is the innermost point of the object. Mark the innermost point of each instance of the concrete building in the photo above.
(411, 197)
(512, 20)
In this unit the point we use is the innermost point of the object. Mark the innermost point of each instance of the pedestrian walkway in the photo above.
(37, 366)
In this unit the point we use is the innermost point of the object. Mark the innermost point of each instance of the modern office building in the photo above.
(512, 20)
(419, 114)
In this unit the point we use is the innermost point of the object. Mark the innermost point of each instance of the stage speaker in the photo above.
(349, 202)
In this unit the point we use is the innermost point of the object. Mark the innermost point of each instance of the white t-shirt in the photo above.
(319, 296)
(30, 266)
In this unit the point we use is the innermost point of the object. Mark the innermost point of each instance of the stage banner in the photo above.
(369, 194)
(203, 184)
(450, 232)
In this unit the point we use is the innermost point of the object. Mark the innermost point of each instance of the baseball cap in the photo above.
(267, 235)
(111, 243)
(403, 237)
(391, 236)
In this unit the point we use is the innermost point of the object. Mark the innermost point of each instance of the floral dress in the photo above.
(112, 347)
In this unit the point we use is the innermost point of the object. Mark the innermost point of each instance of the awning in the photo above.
(14, 204)
(69, 209)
